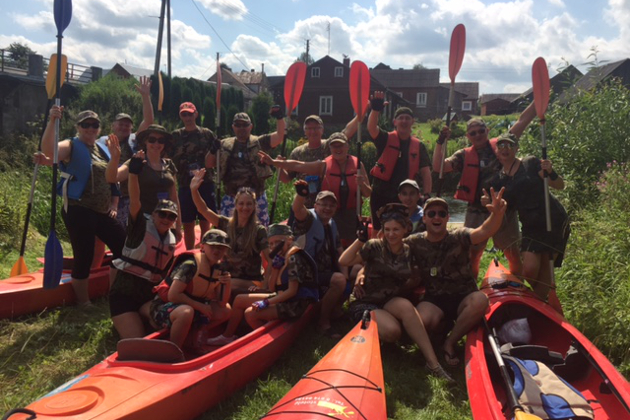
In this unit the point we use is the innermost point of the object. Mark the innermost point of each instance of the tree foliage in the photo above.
(259, 113)
(19, 53)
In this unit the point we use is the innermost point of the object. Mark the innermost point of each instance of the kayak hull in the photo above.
(150, 390)
(347, 383)
(549, 329)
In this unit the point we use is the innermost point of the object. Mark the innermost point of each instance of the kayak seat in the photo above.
(533, 352)
(575, 366)
(142, 349)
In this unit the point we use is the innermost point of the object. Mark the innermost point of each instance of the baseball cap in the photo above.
(154, 128)
(315, 118)
(279, 229)
(337, 138)
(403, 110)
(86, 115)
(242, 116)
(475, 121)
(123, 116)
(509, 137)
(435, 201)
(166, 205)
(216, 237)
(187, 107)
(409, 182)
(325, 194)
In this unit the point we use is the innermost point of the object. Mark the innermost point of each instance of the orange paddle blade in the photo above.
(359, 87)
(51, 76)
(19, 267)
(540, 82)
(458, 47)
(161, 91)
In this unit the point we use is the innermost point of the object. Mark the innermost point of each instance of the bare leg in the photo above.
(389, 328)
(471, 310)
(257, 319)
(189, 235)
(99, 253)
(331, 300)
(403, 310)
(514, 259)
(181, 320)
(129, 325)
(241, 303)
(81, 290)
(476, 252)
(204, 225)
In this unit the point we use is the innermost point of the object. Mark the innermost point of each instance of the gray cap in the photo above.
(315, 118)
(509, 137)
(166, 205)
(325, 194)
(337, 138)
(279, 229)
(409, 182)
(123, 116)
(242, 116)
(435, 201)
(475, 121)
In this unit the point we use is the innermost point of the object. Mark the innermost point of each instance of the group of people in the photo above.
(135, 192)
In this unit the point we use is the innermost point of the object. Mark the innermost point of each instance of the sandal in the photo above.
(451, 359)
(439, 372)
(220, 340)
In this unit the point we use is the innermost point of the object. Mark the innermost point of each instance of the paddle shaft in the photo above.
(283, 150)
(359, 167)
(451, 95)
(218, 124)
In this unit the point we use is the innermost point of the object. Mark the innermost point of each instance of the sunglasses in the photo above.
(89, 125)
(153, 139)
(186, 114)
(505, 145)
(479, 132)
(167, 215)
(442, 213)
(241, 125)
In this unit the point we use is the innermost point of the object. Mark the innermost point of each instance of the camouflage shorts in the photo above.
(292, 309)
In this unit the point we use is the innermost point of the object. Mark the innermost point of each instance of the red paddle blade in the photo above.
(359, 87)
(540, 82)
(293, 85)
(458, 47)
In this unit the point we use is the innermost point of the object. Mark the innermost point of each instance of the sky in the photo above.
(503, 38)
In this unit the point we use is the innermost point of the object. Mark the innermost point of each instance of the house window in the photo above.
(466, 105)
(315, 72)
(400, 94)
(421, 99)
(325, 105)
(338, 71)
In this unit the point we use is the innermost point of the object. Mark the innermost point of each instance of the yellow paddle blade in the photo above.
(51, 77)
(521, 415)
(19, 267)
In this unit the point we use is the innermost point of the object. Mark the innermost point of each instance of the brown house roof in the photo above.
(508, 97)
(470, 90)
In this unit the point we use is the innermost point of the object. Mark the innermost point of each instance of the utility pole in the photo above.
(307, 48)
(159, 41)
(328, 29)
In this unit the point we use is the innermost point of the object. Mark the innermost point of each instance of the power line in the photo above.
(217, 34)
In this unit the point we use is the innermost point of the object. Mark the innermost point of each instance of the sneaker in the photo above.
(439, 372)
(220, 340)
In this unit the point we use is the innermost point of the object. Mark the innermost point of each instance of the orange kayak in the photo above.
(163, 389)
(553, 341)
(347, 383)
(25, 294)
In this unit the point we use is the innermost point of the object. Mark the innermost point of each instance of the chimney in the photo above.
(263, 67)
(252, 70)
(346, 61)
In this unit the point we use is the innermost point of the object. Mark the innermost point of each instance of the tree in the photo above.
(19, 54)
(419, 66)
(260, 112)
(305, 59)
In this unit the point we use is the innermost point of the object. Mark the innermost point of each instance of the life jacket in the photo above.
(544, 394)
(332, 180)
(198, 289)
(316, 236)
(305, 290)
(385, 165)
(467, 188)
(253, 147)
(150, 259)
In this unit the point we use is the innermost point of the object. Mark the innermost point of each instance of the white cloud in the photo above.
(226, 9)
(558, 3)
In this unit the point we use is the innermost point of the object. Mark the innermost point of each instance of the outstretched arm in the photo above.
(524, 119)
(309, 168)
(147, 107)
(378, 102)
(438, 152)
(299, 209)
(201, 205)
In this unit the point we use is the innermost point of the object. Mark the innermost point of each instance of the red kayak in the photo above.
(25, 294)
(157, 381)
(555, 342)
(346, 384)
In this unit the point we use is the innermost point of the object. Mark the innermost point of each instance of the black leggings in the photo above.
(84, 225)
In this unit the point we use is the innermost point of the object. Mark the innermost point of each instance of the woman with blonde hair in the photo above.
(248, 238)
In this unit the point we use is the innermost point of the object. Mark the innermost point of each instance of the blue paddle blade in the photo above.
(53, 261)
(63, 14)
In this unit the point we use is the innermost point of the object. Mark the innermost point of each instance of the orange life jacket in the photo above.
(467, 188)
(332, 180)
(384, 168)
(200, 288)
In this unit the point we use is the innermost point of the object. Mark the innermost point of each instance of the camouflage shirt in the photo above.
(387, 275)
(488, 167)
(299, 269)
(242, 264)
(189, 153)
(445, 265)
(97, 194)
(240, 171)
(303, 153)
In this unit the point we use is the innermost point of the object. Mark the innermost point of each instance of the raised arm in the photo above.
(526, 117)
(492, 224)
(555, 180)
(201, 205)
(351, 128)
(363, 181)
(377, 103)
(438, 152)
(115, 173)
(136, 165)
(278, 135)
(48, 139)
(308, 168)
(147, 107)
(299, 209)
